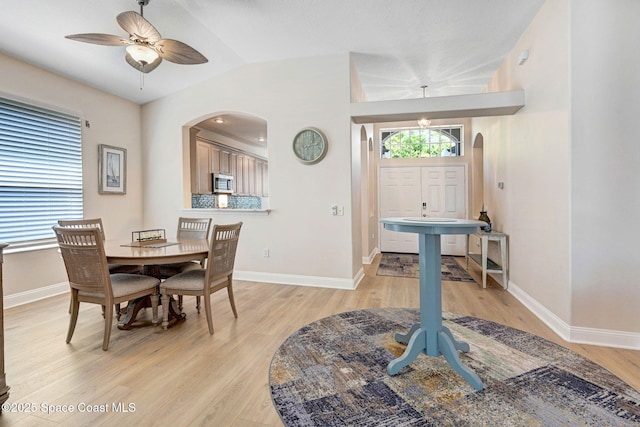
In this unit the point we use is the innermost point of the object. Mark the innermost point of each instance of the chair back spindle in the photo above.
(84, 223)
(193, 228)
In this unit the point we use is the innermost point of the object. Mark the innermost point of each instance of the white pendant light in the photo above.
(424, 122)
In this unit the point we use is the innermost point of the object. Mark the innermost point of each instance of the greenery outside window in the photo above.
(411, 143)
(40, 172)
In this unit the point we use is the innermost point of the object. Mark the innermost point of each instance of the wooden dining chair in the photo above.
(188, 228)
(97, 223)
(113, 268)
(217, 275)
(193, 228)
(89, 279)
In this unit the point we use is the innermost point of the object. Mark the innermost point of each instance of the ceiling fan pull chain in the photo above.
(141, 80)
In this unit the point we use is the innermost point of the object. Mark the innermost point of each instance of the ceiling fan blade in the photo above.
(141, 66)
(134, 24)
(96, 38)
(178, 52)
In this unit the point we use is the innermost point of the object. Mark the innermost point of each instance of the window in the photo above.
(410, 143)
(40, 171)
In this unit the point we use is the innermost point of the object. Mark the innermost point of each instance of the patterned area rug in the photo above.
(333, 373)
(406, 265)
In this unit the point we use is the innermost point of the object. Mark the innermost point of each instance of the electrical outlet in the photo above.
(334, 210)
(265, 252)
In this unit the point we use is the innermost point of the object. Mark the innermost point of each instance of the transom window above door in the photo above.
(412, 143)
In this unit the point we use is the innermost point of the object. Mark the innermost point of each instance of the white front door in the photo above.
(399, 198)
(443, 190)
(404, 191)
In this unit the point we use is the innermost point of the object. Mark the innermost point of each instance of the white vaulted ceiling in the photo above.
(453, 46)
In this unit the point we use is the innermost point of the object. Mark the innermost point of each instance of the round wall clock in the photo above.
(310, 145)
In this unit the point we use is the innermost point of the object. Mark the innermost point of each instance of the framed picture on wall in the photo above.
(112, 170)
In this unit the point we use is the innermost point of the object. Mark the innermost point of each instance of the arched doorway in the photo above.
(368, 193)
(477, 179)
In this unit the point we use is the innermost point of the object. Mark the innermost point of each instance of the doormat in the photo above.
(332, 372)
(407, 265)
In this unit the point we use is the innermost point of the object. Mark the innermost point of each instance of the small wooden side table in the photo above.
(487, 264)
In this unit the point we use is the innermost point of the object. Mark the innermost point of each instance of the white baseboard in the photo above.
(576, 334)
(372, 255)
(33, 295)
(606, 338)
(358, 278)
(299, 280)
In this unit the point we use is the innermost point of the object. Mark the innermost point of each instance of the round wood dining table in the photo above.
(171, 252)
(151, 257)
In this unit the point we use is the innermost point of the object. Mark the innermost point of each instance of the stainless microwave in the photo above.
(222, 183)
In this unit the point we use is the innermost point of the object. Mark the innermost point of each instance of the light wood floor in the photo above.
(184, 376)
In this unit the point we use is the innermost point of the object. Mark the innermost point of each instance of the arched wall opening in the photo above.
(477, 180)
(231, 143)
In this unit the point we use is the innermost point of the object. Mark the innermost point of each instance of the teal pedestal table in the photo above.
(430, 336)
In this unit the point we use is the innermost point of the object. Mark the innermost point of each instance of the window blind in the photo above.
(40, 171)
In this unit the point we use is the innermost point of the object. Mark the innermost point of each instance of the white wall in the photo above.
(303, 238)
(605, 94)
(569, 160)
(529, 152)
(114, 121)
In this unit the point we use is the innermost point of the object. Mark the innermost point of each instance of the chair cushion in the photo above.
(191, 280)
(126, 284)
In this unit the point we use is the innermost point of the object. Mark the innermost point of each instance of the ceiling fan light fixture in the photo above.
(142, 54)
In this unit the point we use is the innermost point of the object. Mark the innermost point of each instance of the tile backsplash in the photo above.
(208, 201)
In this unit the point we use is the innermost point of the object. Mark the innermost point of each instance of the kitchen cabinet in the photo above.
(225, 161)
(201, 161)
(233, 170)
(262, 178)
(250, 168)
(240, 175)
(215, 159)
(249, 172)
(259, 177)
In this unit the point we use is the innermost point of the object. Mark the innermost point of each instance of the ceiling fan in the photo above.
(145, 47)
